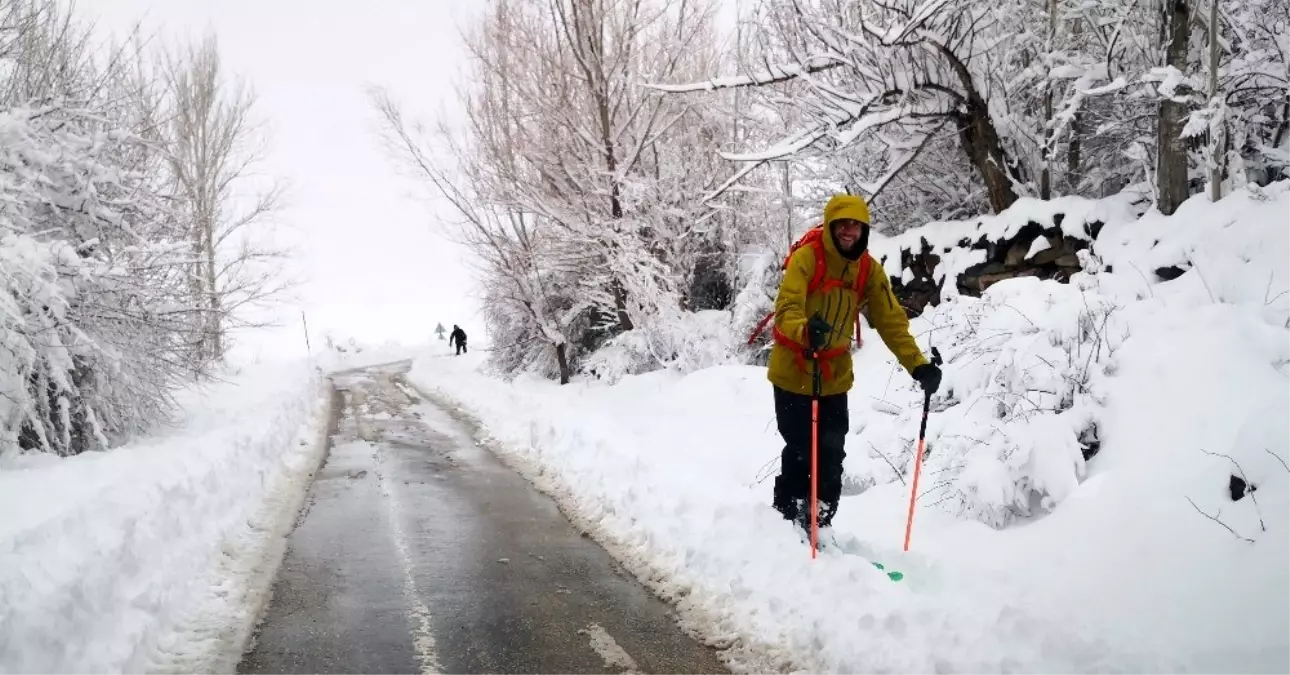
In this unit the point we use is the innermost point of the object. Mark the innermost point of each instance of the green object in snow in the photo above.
(893, 575)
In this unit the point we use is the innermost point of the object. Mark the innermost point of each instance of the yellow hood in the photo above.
(846, 206)
(839, 207)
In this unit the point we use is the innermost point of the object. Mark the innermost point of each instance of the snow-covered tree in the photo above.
(1247, 117)
(212, 143)
(96, 309)
(597, 186)
(896, 76)
(938, 109)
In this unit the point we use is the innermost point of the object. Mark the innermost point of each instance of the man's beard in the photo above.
(857, 248)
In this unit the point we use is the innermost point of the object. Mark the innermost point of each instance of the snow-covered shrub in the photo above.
(755, 300)
(1017, 412)
(92, 320)
(686, 342)
(100, 307)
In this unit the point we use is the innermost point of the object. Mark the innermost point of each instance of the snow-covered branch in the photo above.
(770, 75)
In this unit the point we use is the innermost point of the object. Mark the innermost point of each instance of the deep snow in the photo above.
(155, 556)
(1025, 557)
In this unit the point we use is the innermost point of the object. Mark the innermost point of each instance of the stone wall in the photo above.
(1006, 258)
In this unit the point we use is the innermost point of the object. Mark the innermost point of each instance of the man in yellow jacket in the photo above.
(814, 317)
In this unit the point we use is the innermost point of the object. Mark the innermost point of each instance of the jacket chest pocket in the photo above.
(838, 308)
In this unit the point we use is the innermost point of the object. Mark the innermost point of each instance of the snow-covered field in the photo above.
(1025, 557)
(151, 557)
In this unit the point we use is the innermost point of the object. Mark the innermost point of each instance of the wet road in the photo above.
(418, 551)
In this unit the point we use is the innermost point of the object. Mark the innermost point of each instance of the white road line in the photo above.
(423, 643)
(613, 655)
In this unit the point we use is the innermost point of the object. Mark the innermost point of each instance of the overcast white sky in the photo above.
(374, 263)
(364, 240)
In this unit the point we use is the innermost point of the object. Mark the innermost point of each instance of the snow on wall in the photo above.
(151, 557)
(951, 240)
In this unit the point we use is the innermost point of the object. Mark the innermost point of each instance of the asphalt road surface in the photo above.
(418, 551)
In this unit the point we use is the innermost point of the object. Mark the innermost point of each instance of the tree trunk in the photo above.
(562, 357)
(980, 139)
(620, 307)
(1046, 172)
(1171, 151)
(615, 211)
(197, 324)
(594, 55)
(1216, 155)
(1283, 127)
(788, 208)
(214, 327)
(1073, 150)
(1074, 158)
(981, 142)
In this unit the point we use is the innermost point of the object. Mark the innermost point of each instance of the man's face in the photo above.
(847, 232)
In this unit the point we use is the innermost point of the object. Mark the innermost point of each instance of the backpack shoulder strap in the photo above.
(862, 280)
(817, 249)
(862, 276)
(813, 238)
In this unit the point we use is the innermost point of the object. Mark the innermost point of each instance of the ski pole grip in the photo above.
(936, 357)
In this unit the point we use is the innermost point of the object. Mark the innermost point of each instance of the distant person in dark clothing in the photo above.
(458, 336)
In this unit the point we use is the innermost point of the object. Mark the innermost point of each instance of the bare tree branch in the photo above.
(1215, 519)
(1278, 458)
(1250, 487)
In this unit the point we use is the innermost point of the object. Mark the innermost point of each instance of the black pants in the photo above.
(793, 484)
(461, 347)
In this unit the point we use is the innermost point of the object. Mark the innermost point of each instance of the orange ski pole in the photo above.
(815, 455)
(918, 458)
(815, 466)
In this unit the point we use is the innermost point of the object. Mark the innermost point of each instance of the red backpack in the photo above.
(814, 237)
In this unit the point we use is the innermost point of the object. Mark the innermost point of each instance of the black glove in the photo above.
(929, 376)
(817, 333)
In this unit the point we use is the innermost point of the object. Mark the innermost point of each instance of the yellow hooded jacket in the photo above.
(839, 307)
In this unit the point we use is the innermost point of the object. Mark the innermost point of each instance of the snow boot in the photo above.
(788, 507)
(825, 538)
(800, 510)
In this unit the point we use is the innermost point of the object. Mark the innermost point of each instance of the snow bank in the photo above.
(155, 556)
(1136, 560)
(339, 355)
(1035, 368)
(663, 469)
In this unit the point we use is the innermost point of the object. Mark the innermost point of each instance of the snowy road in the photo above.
(418, 551)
